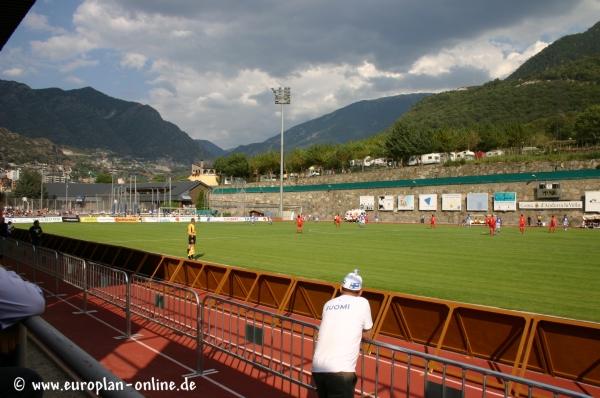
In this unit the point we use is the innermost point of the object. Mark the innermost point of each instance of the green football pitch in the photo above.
(549, 273)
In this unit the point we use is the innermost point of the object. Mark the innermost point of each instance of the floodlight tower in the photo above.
(282, 97)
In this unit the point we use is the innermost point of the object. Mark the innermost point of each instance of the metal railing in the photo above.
(274, 343)
(171, 306)
(401, 372)
(168, 305)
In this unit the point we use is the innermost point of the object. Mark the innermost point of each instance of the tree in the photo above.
(471, 139)
(405, 141)
(343, 156)
(296, 160)
(447, 140)
(265, 163)
(516, 135)
(201, 201)
(234, 165)
(104, 178)
(492, 138)
(587, 126)
(29, 185)
(318, 154)
(559, 127)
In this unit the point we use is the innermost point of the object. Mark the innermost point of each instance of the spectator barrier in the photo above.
(269, 341)
(518, 342)
(168, 305)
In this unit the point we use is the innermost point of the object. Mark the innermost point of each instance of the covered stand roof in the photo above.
(179, 189)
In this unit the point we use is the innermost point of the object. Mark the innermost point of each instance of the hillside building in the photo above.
(204, 173)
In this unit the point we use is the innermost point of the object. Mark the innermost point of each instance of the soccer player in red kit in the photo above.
(299, 224)
(492, 225)
(432, 221)
(522, 224)
(552, 224)
(337, 220)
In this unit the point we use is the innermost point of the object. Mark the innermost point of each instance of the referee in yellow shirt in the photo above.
(191, 230)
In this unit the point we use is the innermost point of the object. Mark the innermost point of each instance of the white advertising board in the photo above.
(592, 201)
(477, 201)
(386, 202)
(428, 202)
(406, 202)
(505, 201)
(367, 202)
(105, 219)
(451, 202)
(563, 204)
(30, 220)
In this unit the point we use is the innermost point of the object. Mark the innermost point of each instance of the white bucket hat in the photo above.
(352, 281)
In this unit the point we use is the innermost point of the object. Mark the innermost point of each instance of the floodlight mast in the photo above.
(282, 97)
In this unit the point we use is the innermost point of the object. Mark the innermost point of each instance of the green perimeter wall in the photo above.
(330, 195)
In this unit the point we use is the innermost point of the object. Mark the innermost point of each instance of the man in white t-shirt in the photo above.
(345, 319)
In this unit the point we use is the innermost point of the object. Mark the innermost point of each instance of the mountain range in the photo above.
(356, 121)
(87, 118)
(559, 82)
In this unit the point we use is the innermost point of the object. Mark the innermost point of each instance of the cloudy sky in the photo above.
(208, 66)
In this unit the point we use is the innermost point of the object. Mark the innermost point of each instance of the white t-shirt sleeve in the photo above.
(368, 319)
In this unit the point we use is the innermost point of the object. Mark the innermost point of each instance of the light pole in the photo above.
(66, 194)
(282, 97)
(42, 191)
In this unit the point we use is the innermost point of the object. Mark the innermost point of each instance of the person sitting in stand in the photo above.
(19, 299)
(35, 233)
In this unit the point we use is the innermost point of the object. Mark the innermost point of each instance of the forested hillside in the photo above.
(563, 50)
(553, 96)
(567, 90)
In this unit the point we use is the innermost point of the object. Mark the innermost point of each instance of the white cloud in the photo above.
(62, 47)
(181, 33)
(494, 58)
(39, 22)
(514, 59)
(13, 72)
(368, 70)
(218, 107)
(78, 63)
(133, 61)
(74, 80)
